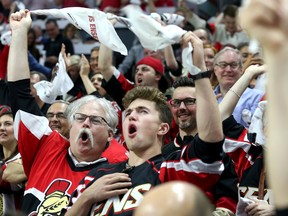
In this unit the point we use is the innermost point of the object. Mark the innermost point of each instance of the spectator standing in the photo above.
(229, 32)
(52, 163)
(54, 42)
(11, 194)
(32, 45)
(146, 122)
(185, 109)
(228, 69)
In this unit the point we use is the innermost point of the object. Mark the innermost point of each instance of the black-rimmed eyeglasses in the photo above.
(95, 120)
(187, 101)
(233, 65)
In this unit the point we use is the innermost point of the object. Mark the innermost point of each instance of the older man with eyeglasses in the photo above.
(54, 164)
(228, 69)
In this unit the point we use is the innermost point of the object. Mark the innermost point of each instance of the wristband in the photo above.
(201, 75)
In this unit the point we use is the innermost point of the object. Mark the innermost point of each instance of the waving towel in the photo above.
(61, 84)
(93, 21)
(152, 35)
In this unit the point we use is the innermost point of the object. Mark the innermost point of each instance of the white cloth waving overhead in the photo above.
(152, 35)
(60, 85)
(93, 21)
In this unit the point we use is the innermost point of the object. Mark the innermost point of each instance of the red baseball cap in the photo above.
(156, 64)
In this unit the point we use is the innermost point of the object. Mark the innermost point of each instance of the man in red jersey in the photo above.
(53, 164)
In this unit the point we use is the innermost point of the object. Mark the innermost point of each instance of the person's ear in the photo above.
(158, 76)
(164, 128)
(110, 135)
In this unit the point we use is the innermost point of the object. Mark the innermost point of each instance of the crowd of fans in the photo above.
(123, 129)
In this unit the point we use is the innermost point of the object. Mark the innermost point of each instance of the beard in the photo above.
(85, 134)
(186, 125)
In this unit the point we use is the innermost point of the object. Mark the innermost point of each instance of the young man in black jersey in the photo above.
(118, 189)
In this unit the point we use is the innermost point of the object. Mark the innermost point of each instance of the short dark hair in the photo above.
(150, 94)
(54, 21)
(230, 10)
(183, 82)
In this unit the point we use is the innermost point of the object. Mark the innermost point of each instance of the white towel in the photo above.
(168, 18)
(256, 125)
(93, 21)
(261, 82)
(6, 38)
(61, 84)
(152, 35)
(241, 205)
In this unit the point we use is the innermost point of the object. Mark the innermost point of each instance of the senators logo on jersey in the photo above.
(54, 199)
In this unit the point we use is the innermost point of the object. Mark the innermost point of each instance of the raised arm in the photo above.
(18, 72)
(105, 62)
(209, 123)
(232, 97)
(266, 21)
(84, 74)
(170, 58)
(20, 23)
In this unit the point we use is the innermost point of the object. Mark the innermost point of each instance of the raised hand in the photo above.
(266, 21)
(198, 51)
(20, 20)
(85, 66)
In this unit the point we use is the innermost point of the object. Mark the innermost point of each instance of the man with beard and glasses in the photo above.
(54, 164)
(183, 106)
(118, 189)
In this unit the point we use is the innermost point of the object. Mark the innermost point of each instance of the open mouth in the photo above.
(84, 137)
(139, 80)
(132, 129)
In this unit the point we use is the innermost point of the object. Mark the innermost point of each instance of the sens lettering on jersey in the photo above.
(128, 202)
(253, 192)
